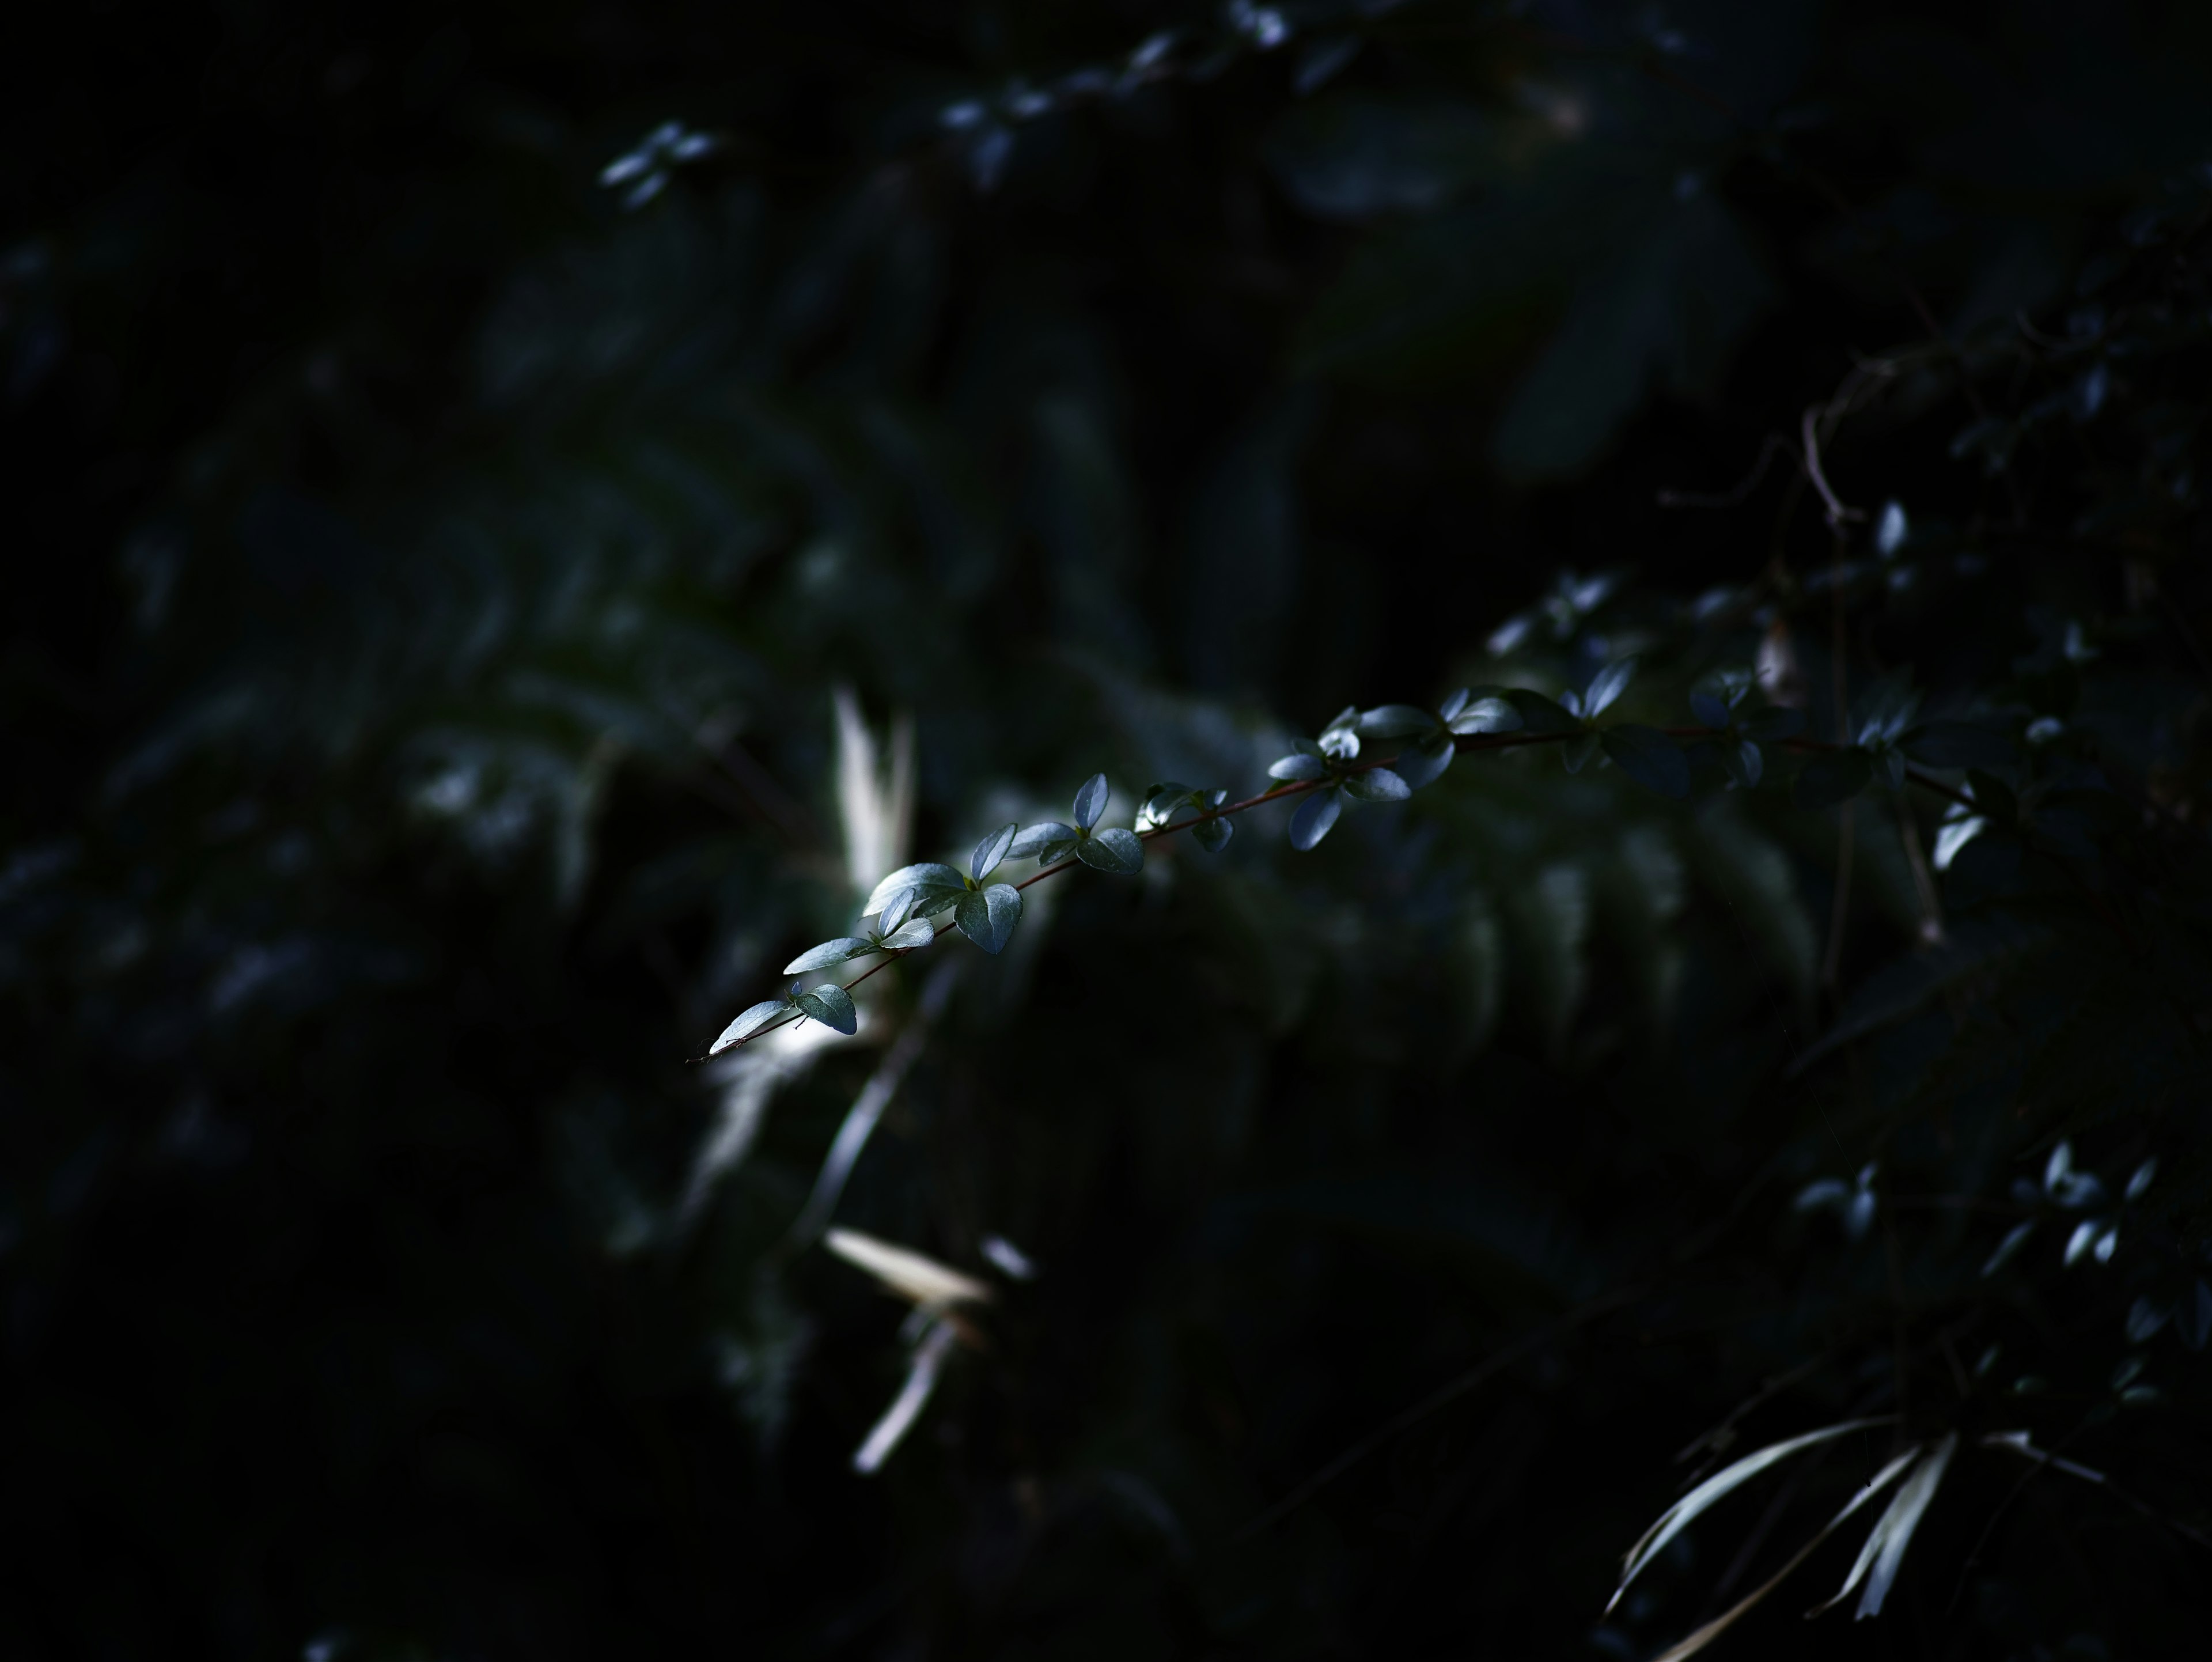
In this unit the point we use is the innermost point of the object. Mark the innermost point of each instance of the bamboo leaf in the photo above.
(1679, 1517)
(1879, 1559)
(921, 1280)
(1721, 1623)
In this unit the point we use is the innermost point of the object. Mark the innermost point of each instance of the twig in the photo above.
(1443, 1395)
(1734, 498)
(1283, 793)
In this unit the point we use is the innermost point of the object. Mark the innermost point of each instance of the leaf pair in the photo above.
(829, 1004)
(1435, 734)
(1320, 811)
(1112, 850)
(1721, 702)
(985, 913)
(1164, 801)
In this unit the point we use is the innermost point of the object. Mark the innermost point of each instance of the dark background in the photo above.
(430, 578)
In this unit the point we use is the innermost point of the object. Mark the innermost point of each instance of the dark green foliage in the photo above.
(527, 518)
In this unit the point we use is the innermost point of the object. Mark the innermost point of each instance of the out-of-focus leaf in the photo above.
(1423, 762)
(2015, 1238)
(840, 951)
(1775, 722)
(920, 1280)
(1297, 768)
(1669, 309)
(988, 918)
(1650, 757)
(1832, 778)
(1115, 850)
(1213, 835)
(1395, 721)
(1899, 988)
(922, 1370)
(831, 1005)
(1357, 157)
(1484, 715)
(1957, 745)
(1312, 818)
(1376, 785)
(1539, 713)
(1606, 686)
(1575, 753)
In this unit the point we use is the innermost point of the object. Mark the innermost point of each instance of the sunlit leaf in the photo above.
(1395, 721)
(1048, 842)
(991, 850)
(1298, 768)
(1310, 823)
(1376, 785)
(933, 885)
(749, 1022)
(1090, 800)
(840, 951)
(1606, 686)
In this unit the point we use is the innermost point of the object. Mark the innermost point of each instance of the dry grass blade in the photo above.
(926, 1282)
(1884, 1552)
(921, 1373)
(1677, 1517)
(1721, 1623)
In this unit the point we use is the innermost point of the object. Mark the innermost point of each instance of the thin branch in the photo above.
(1443, 1395)
(1734, 498)
(1284, 793)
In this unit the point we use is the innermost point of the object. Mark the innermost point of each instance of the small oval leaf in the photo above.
(1047, 842)
(1395, 721)
(1832, 778)
(1297, 768)
(840, 951)
(831, 1005)
(1115, 850)
(1607, 685)
(988, 918)
(1314, 818)
(1377, 785)
(749, 1023)
(1650, 757)
(1090, 801)
(991, 850)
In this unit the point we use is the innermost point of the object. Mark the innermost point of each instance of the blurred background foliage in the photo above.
(472, 623)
